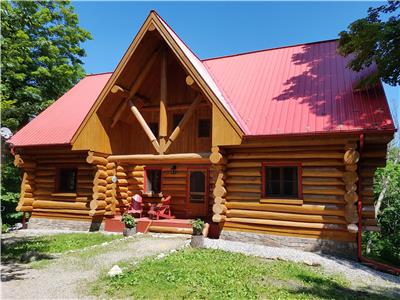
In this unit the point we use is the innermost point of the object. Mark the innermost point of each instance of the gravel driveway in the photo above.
(67, 276)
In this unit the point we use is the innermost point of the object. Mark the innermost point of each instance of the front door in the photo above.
(197, 192)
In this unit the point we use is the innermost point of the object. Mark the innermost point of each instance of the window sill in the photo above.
(64, 194)
(151, 195)
(281, 201)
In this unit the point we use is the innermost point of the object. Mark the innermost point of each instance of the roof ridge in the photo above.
(96, 74)
(267, 49)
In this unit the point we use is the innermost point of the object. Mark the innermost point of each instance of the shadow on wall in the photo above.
(329, 93)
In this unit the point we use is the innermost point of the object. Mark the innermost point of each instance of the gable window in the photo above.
(281, 181)
(203, 128)
(154, 128)
(66, 180)
(176, 119)
(153, 180)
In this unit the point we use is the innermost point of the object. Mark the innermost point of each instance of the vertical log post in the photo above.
(98, 202)
(26, 199)
(219, 193)
(163, 124)
(350, 177)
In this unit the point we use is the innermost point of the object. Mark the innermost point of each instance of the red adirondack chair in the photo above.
(161, 210)
(136, 206)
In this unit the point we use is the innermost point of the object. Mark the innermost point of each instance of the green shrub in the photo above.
(128, 220)
(198, 226)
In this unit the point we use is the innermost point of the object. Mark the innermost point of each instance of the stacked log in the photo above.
(48, 201)
(121, 191)
(373, 157)
(350, 178)
(26, 199)
(319, 213)
(98, 203)
(111, 193)
(219, 192)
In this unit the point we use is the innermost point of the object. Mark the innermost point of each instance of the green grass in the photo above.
(215, 274)
(54, 244)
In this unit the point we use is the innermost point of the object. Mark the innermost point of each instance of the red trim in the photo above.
(359, 203)
(145, 177)
(284, 164)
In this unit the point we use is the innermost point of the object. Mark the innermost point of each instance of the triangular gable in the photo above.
(190, 62)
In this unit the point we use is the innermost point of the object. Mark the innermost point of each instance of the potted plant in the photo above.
(197, 240)
(130, 225)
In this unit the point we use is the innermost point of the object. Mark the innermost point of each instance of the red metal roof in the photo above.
(297, 90)
(58, 123)
(302, 89)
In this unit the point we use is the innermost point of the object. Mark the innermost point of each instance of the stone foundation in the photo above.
(60, 224)
(339, 248)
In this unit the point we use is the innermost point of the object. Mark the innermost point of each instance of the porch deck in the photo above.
(145, 225)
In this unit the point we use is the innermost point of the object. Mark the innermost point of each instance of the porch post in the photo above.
(219, 165)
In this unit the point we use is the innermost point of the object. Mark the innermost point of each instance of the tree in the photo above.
(40, 61)
(375, 39)
(385, 245)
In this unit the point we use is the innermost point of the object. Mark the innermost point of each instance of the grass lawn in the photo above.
(57, 243)
(216, 274)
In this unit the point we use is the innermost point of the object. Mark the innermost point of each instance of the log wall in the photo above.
(320, 213)
(38, 188)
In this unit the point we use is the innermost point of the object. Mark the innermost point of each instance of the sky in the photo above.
(214, 29)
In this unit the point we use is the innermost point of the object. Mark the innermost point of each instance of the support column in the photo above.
(219, 193)
(350, 178)
(163, 124)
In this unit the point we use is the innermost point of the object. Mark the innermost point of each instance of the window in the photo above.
(204, 126)
(197, 187)
(153, 181)
(281, 181)
(176, 119)
(66, 180)
(154, 128)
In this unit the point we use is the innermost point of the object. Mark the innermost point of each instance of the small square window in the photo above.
(281, 182)
(66, 181)
(153, 181)
(176, 119)
(204, 127)
(154, 128)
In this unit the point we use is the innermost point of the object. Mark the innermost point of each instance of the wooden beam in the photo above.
(116, 88)
(136, 85)
(174, 135)
(145, 127)
(189, 80)
(170, 158)
(163, 123)
(118, 113)
(138, 103)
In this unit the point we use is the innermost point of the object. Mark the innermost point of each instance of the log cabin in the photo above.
(276, 146)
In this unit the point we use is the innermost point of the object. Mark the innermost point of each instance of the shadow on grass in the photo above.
(18, 249)
(326, 288)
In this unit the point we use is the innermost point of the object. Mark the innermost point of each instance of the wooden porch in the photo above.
(145, 225)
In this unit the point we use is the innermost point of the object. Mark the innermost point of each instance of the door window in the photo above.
(197, 187)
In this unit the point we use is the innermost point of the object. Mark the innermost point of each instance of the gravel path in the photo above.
(67, 276)
(360, 276)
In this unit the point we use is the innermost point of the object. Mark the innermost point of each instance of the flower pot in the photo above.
(197, 241)
(129, 231)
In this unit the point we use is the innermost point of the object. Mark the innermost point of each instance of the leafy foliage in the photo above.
(128, 220)
(54, 244)
(216, 274)
(198, 226)
(375, 38)
(40, 61)
(385, 245)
